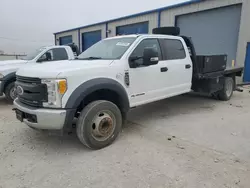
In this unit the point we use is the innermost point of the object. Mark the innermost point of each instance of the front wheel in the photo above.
(10, 92)
(99, 123)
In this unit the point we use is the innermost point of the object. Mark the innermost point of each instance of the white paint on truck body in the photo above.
(154, 84)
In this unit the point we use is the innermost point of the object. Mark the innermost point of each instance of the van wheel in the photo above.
(10, 92)
(99, 124)
(226, 93)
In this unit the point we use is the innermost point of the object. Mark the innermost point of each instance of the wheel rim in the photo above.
(13, 94)
(229, 88)
(103, 125)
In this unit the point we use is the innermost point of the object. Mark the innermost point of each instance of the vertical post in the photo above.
(159, 18)
(175, 21)
(55, 38)
(106, 30)
(79, 40)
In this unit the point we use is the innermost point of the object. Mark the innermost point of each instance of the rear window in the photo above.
(59, 54)
(173, 49)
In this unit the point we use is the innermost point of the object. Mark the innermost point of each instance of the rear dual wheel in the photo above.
(227, 92)
(99, 124)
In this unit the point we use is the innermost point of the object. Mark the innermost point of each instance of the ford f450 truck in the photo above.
(98, 88)
(8, 68)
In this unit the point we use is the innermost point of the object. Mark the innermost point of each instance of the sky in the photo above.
(29, 24)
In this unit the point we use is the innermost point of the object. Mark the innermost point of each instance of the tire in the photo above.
(99, 124)
(227, 92)
(10, 96)
(167, 31)
(215, 95)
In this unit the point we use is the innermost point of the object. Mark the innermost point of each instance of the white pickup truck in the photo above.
(98, 88)
(8, 68)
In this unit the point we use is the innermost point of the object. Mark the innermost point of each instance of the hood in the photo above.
(12, 62)
(10, 66)
(53, 69)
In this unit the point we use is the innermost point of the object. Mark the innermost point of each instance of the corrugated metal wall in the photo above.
(168, 19)
(168, 16)
(151, 18)
(244, 35)
(101, 27)
(214, 31)
(73, 33)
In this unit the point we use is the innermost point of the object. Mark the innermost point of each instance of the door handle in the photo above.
(164, 69)
(188, 66)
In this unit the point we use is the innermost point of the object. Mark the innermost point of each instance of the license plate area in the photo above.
(19, 115)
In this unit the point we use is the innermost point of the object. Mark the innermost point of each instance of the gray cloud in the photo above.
(28, 24)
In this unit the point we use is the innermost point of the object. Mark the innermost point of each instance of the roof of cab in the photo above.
(144, 36)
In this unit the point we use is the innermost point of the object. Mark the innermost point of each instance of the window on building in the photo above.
(174, 49)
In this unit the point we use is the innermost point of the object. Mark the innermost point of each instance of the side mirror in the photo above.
(132, 61)
(45, 57)
(150, 57)
(41, 59)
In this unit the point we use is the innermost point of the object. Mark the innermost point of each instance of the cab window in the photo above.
(174, 49)
(146, 43)
(56, 54)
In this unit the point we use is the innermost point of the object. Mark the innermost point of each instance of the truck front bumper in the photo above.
(41, 118)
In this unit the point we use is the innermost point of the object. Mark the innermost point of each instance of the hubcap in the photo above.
(13, 94)
(229, 88)
(103, 125)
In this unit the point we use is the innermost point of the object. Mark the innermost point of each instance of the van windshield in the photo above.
(108, 49)
(33, 54)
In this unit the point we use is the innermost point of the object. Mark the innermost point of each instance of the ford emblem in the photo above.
(19, 90)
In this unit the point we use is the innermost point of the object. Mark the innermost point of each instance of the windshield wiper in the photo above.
(89, 58)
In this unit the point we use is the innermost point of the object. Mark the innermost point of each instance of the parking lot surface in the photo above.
(186, 141)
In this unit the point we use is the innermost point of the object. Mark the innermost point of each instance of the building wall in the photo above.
(244, 35)
(151, 18)
(74, 36)
(168, 18)
(101, 27)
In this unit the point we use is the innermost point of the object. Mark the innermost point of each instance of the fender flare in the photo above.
(6, 79)
(93, 85)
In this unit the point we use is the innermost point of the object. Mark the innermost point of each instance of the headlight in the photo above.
(1, 76)
(56, 89)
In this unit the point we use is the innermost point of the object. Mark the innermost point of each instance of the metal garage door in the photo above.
(65, 40)
(247, 64)
(90, 38)
(214, 31)
(138, 28)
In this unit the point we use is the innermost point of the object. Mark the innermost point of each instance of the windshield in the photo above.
(108, 49)
(33, 54)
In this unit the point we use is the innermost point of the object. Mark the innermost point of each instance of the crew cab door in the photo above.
(178, 62)
(146, 82)
(171, 76)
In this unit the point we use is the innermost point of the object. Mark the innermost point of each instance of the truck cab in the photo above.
(8, 68)
(98, 88)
